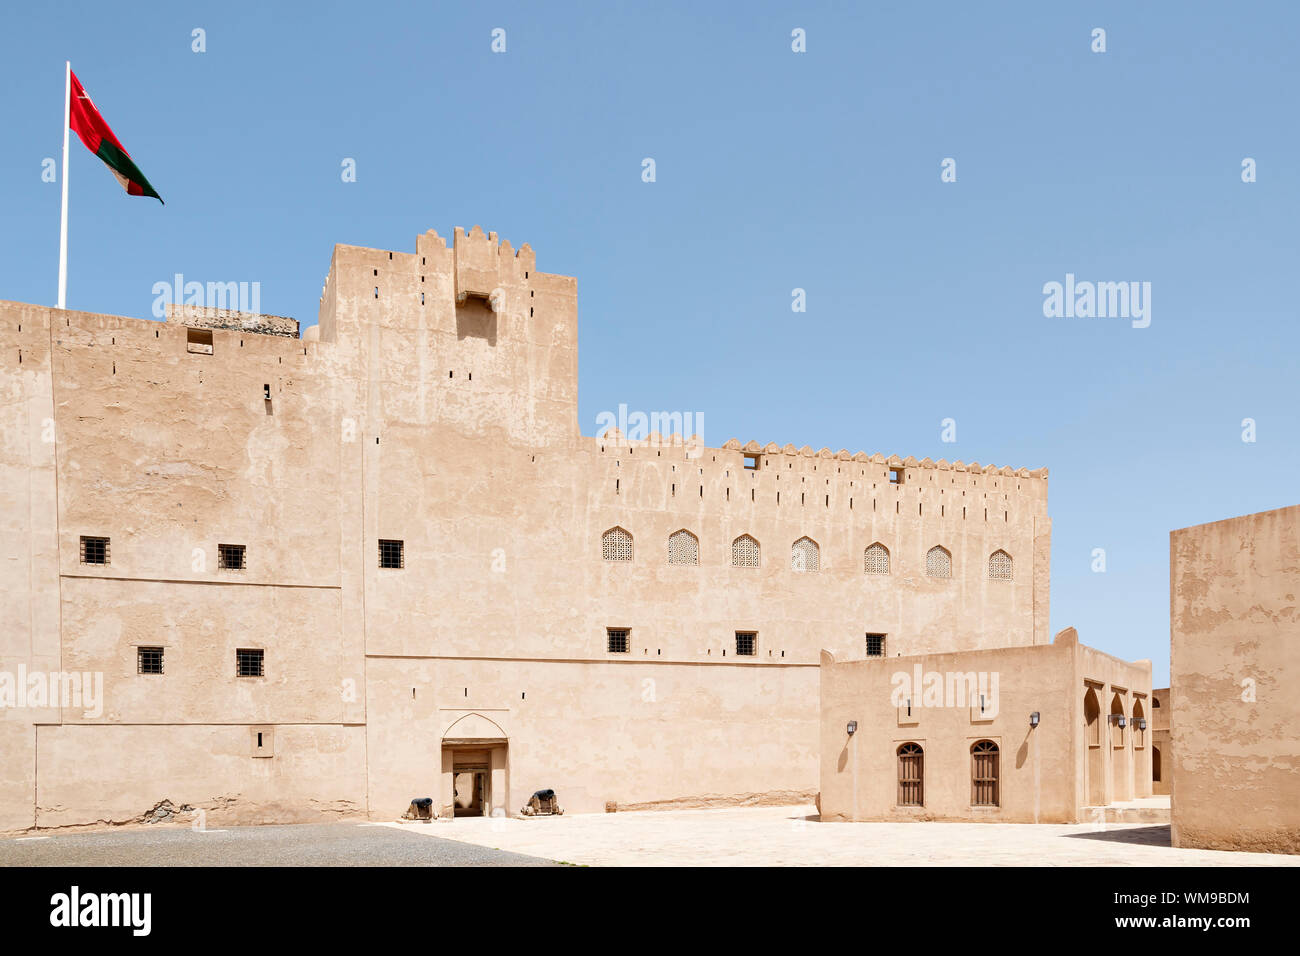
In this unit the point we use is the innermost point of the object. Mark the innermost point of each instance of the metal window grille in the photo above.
(805, 555)
(616, 640)
(230, 557)
(249, 662)
(616, 545)
(875, 645)
(876, 560)
(984, 774)
(392, 554)
(938, 563)
(746, 643)
(744, 552)
(999, 566)
(149, 660)
(911, 776)
(94, 550)
(683, 548)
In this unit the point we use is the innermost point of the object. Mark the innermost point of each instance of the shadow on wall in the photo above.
(476, 320)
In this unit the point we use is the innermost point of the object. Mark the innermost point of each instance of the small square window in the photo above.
(198, 341)
(752, 462)
(617, 640)
(230, 557)
(875, 645)
(249, 662)
(746, 643)
(895, 476)
(391, 554)
(94, 550)
(148, 660)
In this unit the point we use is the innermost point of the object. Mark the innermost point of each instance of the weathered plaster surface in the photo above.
(1234, 666)
(436, 403)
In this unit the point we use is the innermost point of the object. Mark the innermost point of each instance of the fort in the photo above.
(323, 575)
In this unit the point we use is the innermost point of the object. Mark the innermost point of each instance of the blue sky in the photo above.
(774, 171)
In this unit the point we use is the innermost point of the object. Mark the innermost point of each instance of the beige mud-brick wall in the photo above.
(1160, 740)
(1234, 669)
(859, 773)
(437, 404)
(105, 774)
(1041, 769)
(29, 555)
(634, 733)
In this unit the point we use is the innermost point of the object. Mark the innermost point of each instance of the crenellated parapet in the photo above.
(891, 461)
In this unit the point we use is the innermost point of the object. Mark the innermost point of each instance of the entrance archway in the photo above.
(1094, 771)
(1121, 765)
(474, 778)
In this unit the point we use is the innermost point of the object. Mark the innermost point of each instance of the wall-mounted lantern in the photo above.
(1141, 723)
(1033, 719)
(852, 727)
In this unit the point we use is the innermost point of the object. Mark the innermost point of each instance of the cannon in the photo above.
(542, 803)
(421, 808)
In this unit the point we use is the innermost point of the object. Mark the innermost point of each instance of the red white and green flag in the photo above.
(86, 121)
(80, 114)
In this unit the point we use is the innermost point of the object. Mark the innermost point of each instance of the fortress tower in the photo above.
(381, 561)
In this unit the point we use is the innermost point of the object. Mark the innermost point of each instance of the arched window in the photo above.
(984, 774)
(876, 559)
(683, 548)
(938, 562)
(1092, 717)
(911, 776)
(805, 555)
(1116, 712)
(616, 545)
(999, 566)
(1155, 765)
(744, 552)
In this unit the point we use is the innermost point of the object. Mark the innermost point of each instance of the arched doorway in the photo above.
(1095, 782)
(1155, 765)
(474, 777)
(1121, 776)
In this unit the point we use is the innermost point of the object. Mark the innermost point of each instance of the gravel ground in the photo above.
(328, 844)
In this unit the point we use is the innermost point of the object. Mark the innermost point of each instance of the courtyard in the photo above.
(792, 836)
(745, 836)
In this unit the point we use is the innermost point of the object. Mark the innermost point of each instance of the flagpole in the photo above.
(63, 219)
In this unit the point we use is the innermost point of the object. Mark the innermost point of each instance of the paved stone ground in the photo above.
(326, 844)
(791, 836)
(749, 836)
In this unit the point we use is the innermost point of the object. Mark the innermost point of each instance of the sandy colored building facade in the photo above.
(320, 576)
(1161, 744)
(1030, 734)
(1234, 666)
